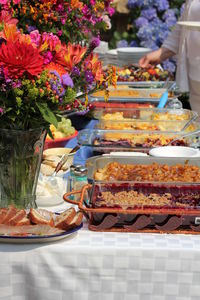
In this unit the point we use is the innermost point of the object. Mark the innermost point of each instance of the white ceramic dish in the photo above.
(190, 25)
(38, 238)
(174, 151)
(132, 50)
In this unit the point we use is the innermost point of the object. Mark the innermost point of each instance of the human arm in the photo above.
(155, 57)
(169, 48)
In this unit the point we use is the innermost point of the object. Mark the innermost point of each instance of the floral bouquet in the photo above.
(39, 75)
(71, 20)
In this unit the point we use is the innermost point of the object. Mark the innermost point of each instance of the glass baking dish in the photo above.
(140, 193)
(145, 119)
(143, 206)
(147, 84)
(105, 141)
(147, 114)
(130, 94)
(122, 103)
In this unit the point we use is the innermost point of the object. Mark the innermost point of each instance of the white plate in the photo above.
(112, 52)
(38, 238)
(174, 151)
(190, 25)
(132, 50)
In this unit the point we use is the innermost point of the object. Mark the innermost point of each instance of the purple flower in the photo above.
(132, 3)
(56, 73)
(149, 44)
(133, 44)
(89, 76)
(31, 28)
(94, 43)
(171, 21)
(122, 44)
(169, 65)
(16, 85)
(141, 21)
(161, 4)
(75, 71)
(145, 32)
(149, 13)
(67, 81)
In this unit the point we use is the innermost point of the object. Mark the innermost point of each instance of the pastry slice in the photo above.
(41, 216)
(64, 219)
(17, 218)
(76, 221)
(11, 212)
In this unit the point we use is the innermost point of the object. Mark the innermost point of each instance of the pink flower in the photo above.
(1, 110)
(5, 17)
(3, 2)
(16, 1)
(48, 57)
(35, 37)
(111, 11)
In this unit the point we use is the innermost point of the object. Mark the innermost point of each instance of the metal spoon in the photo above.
(63, 160)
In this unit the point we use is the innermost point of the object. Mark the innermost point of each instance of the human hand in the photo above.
(151, 59)
(155, 57)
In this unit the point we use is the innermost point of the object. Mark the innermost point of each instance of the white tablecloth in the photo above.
(108, 266)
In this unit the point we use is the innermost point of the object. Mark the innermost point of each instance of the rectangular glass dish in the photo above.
(144, 182)
(142, 194)
(124, 93)
(105, 141)
(146, 84)
(147, 114)
(145, 119)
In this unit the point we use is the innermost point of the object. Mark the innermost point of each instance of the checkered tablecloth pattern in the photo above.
(108, 266)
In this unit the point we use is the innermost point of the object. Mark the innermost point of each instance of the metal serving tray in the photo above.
(106, 141)
(180, 215)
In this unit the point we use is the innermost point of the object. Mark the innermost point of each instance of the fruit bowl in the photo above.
(57, 143)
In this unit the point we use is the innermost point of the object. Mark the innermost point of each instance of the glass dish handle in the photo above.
(83, 137)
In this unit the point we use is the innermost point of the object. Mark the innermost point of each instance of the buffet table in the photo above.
(93, 265)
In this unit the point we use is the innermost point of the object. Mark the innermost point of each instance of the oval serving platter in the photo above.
(39, 238)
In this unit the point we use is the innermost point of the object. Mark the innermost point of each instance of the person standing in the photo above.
(185, 44)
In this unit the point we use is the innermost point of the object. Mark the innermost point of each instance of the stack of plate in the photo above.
(101, 50)
(131, 55)
(112, 57)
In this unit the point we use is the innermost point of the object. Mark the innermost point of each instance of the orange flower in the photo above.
(55, 67)
(76, 4)
(10, 32)
(19, 58)
(92, 63)
(70, 55)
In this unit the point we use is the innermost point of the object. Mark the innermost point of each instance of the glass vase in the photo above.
(20, 160)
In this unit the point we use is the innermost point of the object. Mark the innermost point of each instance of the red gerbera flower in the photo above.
(19, 58)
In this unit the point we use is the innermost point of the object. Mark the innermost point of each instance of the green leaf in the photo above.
(47, 114)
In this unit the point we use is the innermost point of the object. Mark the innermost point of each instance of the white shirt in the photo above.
(186, 43)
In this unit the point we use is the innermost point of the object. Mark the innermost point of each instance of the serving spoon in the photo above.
(196, 132)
